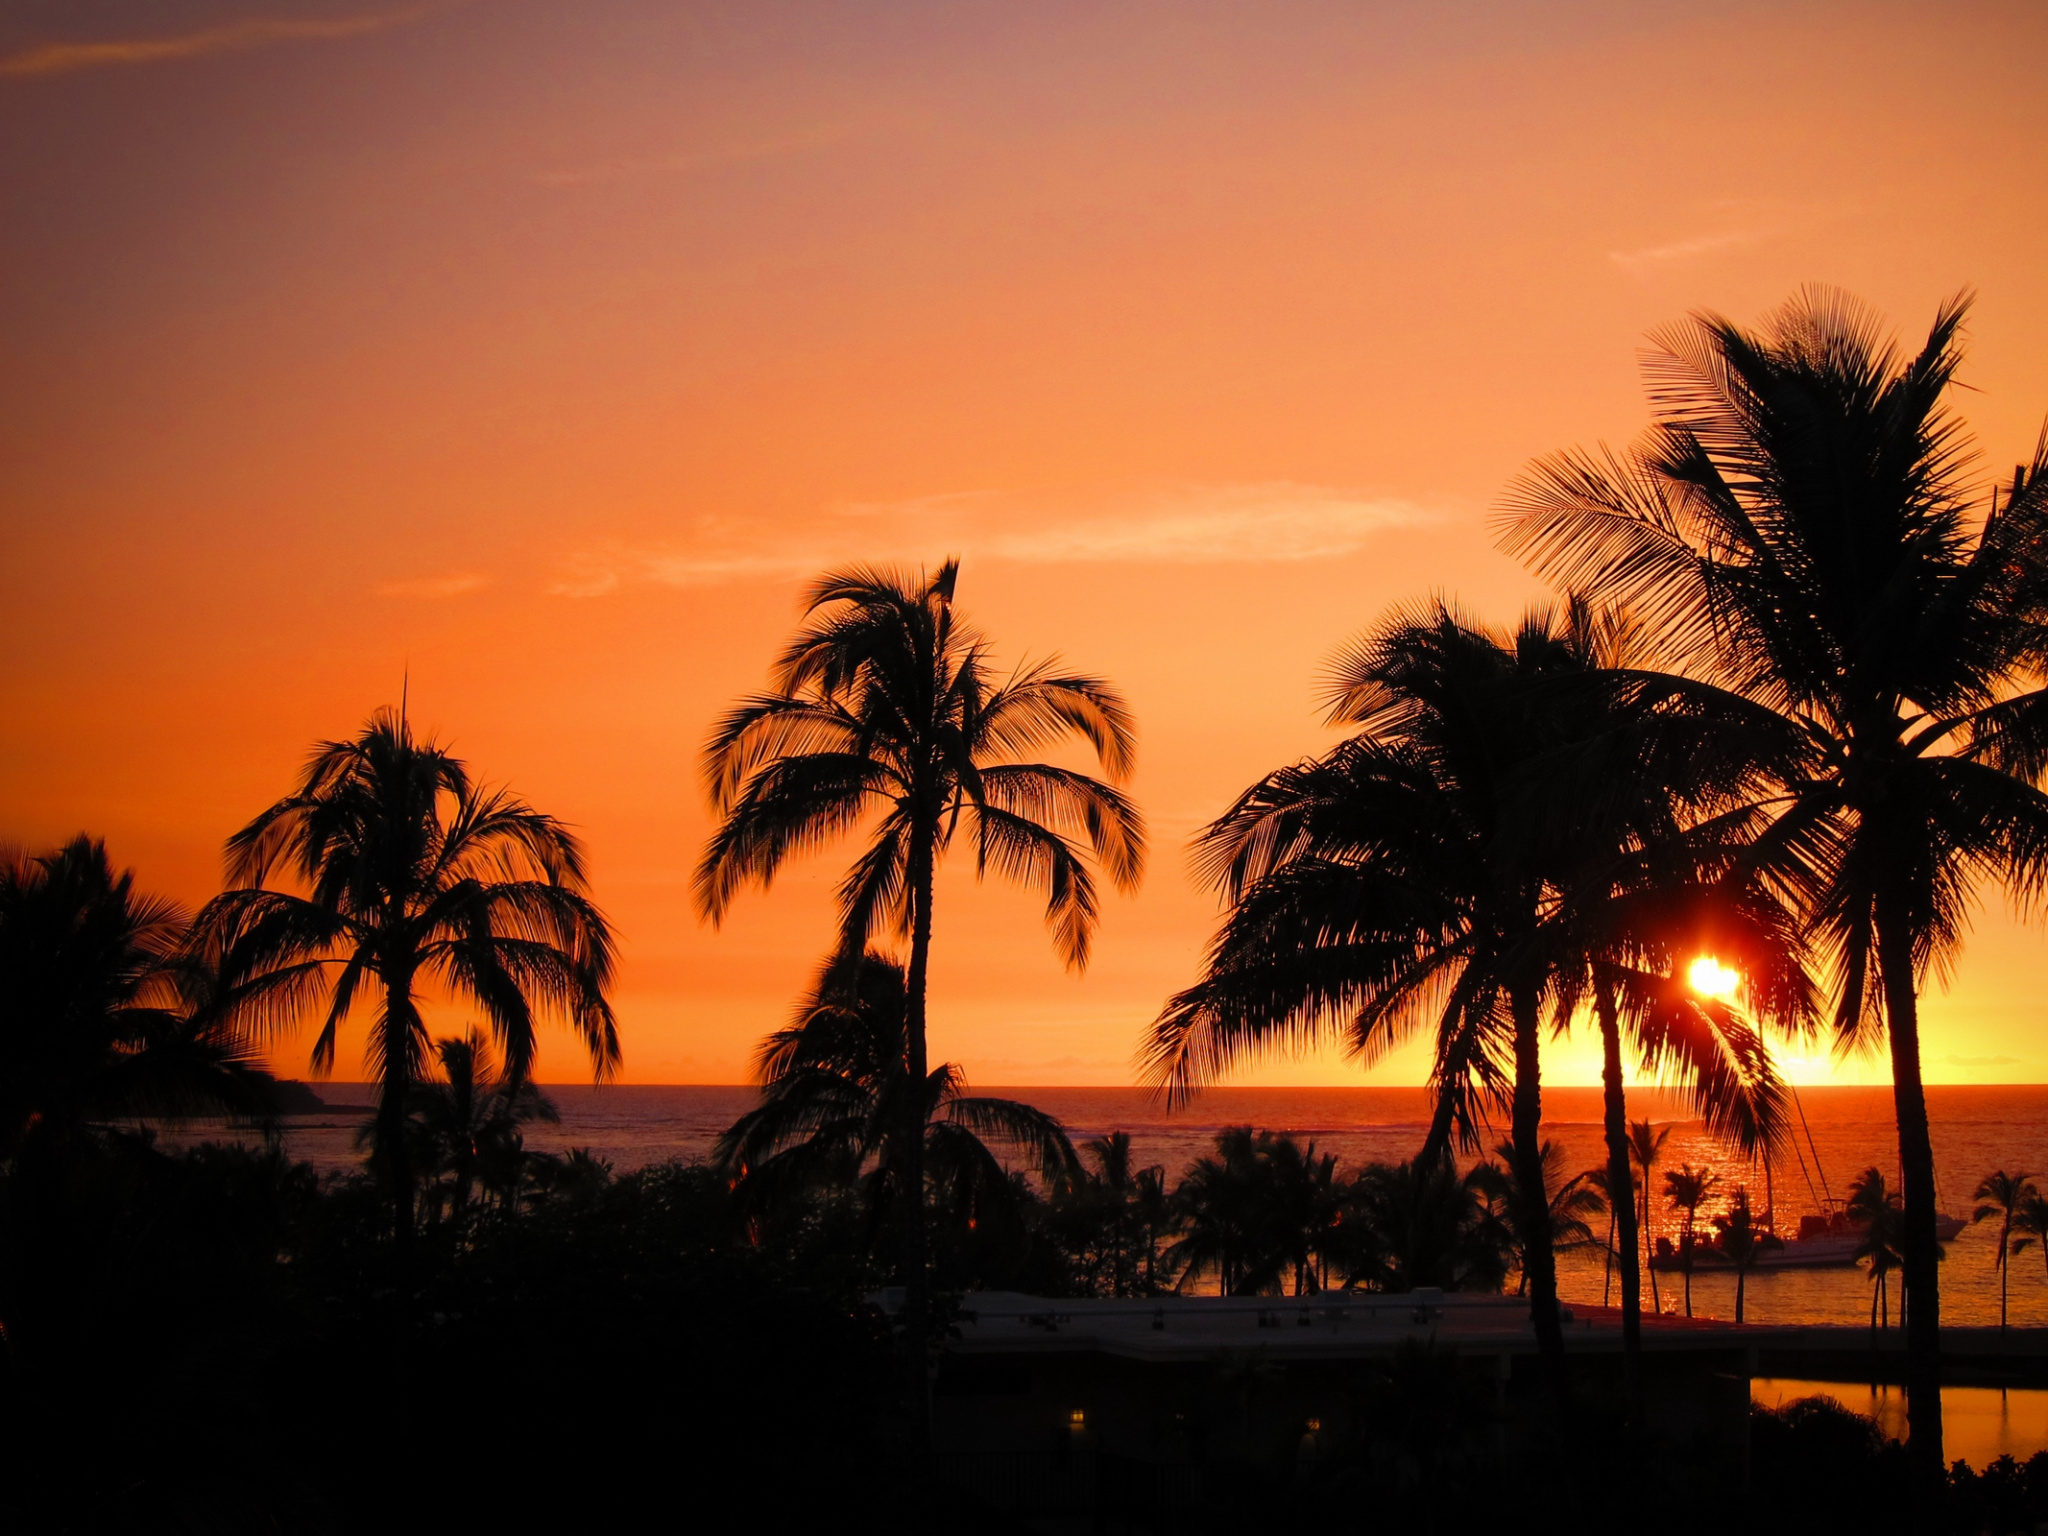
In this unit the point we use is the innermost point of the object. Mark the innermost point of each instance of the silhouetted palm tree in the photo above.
(1687, 1189)
(1645, 1147)
(465, 1125)
(1742, 1241)
(1800, 527)
(834, 1092)
(2003, 1195)
(1112, 1219)
(1569, 1203)
(1258, 1212)
(1877, 1207)
(100, 1018)
(883, 713)
(1423, 1224)
(1431, 872)
(1633, 804)
(413, 876)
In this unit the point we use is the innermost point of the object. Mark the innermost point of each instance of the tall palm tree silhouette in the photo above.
(100, 1017)
(836, 1099)
(883, 713)
(1636, 810)
(1418, 876)
(1800, 527)
(2003, 1196)
(411, 876)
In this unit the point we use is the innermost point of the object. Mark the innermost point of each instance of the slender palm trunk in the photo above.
(1687, 1241)
(1621, 1201)
(916, 1263)
(1921, 1303)
(1656, 1301)
(400, 1026)
(1539, 1261)
(1741, 1280)
(2004, 1263)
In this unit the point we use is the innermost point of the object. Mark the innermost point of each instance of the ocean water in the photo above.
(1975, 1130)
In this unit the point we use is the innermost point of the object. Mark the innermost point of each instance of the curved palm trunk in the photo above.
(1621, 1203)
(1539, 1261)
(1920, 1250)
(916, 1262)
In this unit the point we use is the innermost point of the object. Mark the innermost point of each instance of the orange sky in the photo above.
(544, 350)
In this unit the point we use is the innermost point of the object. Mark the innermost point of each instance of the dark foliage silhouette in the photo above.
(835, 1099)
(884, 714)
(1801, 528)
(412, 877)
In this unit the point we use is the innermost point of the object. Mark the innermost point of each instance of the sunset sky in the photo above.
(541, 351)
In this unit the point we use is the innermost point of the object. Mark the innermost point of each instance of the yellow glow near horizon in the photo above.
(1710, 978)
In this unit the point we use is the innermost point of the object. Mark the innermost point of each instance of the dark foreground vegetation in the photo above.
(212, 1341)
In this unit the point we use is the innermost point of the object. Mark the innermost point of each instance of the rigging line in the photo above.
(1818, 1205)
(1825, 1205)
(1799, 1105)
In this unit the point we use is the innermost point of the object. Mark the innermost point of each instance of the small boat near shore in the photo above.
(1824, 1242)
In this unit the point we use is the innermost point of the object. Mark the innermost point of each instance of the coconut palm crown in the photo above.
(412, 879)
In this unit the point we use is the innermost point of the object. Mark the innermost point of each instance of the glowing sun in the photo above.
(1710, 978)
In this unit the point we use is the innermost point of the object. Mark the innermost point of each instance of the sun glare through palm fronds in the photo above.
(1710, 978)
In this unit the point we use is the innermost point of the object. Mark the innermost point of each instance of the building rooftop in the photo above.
(1328, 1326)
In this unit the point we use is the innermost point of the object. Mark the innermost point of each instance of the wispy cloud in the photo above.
(233, 37)
(455, 584)
(1637, 263)
(1261, 523)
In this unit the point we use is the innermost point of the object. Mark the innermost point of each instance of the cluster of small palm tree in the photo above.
(1266, 1214)
(464, 1135)
(2020, 1208)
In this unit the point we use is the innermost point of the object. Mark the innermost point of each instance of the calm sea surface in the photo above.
(1976, 1129)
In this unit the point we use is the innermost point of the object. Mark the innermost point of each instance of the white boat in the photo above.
(1824, 1242)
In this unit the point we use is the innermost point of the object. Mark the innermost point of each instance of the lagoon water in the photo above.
(1976, 1129)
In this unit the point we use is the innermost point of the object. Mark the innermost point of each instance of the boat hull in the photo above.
(1828, 1250)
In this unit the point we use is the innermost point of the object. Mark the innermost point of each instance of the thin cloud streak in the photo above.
(1637, 262)
(1277, 522)
(239, 36)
